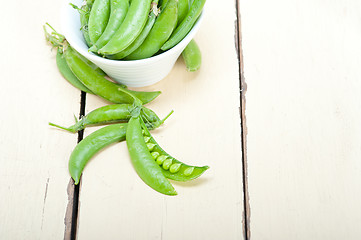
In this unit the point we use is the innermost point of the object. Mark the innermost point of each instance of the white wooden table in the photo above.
(275, 111)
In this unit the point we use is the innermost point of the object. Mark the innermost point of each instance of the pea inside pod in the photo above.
(143, 162)
(171, 167)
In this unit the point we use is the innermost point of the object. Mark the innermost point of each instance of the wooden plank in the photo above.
(203, 130)
(302, 69)
(33, 173)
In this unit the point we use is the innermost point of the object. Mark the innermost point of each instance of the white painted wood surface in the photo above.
(33, 172)
(114, 202)
(203, 130)
(302, 66)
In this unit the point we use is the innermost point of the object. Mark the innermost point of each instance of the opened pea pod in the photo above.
(170, 166)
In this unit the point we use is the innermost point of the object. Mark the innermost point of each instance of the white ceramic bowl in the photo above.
(135, 73)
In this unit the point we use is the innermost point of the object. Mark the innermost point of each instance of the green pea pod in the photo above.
(186, 25)
(98, 19)
(110, 114)
(68, 74)
(130, 29)
(90, 64)
(118, 11)
(183, 7)
(140, 39)
(147, 169)
(171, 167)
(161, 31)
(92, 144)
(192, 56)
(101, 86)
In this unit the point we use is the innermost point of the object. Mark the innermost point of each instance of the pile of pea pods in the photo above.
(139, 29)
(125, 118)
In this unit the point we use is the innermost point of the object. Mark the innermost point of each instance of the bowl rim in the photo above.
(95, 58)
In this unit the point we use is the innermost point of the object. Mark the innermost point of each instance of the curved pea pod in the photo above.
(186, 25)
(101, 86)
(130, 28)
(192, 56)
(118, 11)
(111, 114)
(172, 168)
(98, 19)
(147, 169)
(68, 74)
(92, 144)
(161, 31)
(140, 39)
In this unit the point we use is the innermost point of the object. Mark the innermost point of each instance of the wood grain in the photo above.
(204, 130)
(33, 172)
(302, 68)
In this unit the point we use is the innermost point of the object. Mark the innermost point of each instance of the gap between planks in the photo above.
(243, 89)
(72, 210)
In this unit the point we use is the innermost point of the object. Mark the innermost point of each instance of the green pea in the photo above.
(185, 172)
(161, 159)
(174, 167)
(167, 163)
(142, 160)
(146, 139)
(150, 146)
(155, 155)
(188, 171)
